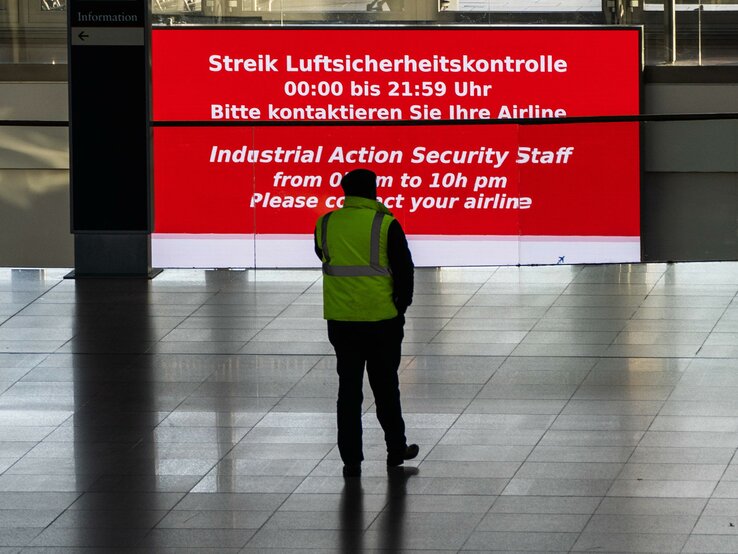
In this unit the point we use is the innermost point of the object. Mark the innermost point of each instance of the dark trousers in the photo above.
(376, 345)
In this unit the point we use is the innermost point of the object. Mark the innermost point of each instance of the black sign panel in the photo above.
(108, 116)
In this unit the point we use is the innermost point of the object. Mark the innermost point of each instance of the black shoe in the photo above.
(352, 470)
(394, 460)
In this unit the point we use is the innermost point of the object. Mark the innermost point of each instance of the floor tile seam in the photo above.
(29, 544)
(206, 473)
(692, 361)
(673, 387)
(717, 322)
(51, 523)
(626, 462)
(55, 427)
(276, 316)
(485, 514)
(506, 358)
(553, 421)
(318, 359)
(148, 352)
(19, 460)
(27, 304)
(613, 481)
(254, 426)
(563, 408)
(458, 309)
(456, 419)
(375, 518)
(471, 401)
(48, 354)
(509, 480)
(614, 342)
(707, 500)
(166, 514)
(518, 343)
(481, 517)
(606, 346)
(233, 446)
(622, 330)
(548, 309)
(450, 426)
(195, 309)
(215, 370)
(640, 440)
(289, 495)
(579, 385)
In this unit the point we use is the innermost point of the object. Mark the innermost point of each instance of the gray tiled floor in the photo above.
(558, 409)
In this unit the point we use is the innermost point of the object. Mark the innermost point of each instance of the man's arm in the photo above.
(401, 265)
(318, 249)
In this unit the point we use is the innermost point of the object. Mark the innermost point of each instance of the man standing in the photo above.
(367, 286)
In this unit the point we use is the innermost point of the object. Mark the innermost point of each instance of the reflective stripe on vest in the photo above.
(372, 270)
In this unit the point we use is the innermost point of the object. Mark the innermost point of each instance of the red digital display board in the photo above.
(248, 194)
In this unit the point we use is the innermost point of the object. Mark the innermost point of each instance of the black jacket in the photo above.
(400, 264)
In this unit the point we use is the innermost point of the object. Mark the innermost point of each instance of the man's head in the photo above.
(360, 182)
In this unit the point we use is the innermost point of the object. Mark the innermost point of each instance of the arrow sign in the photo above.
(107, 36)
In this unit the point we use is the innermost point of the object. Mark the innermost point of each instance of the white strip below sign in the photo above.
(247, 251)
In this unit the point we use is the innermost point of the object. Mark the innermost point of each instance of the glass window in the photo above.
(53, 5)
(33, 32)
(703, 32)
(676, 32)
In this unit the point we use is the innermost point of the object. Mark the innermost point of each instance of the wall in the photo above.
(34, 177)
(690, 181)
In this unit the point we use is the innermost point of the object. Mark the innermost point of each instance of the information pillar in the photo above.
(109, 138)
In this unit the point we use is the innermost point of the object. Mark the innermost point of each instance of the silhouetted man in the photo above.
(367, 287)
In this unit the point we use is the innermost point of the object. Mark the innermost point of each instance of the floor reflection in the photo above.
(558, 408)
(390, 523)
(392, 519)
(352, 516)
(115, 413)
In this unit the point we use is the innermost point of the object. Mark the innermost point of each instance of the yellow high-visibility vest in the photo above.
(357, 283)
